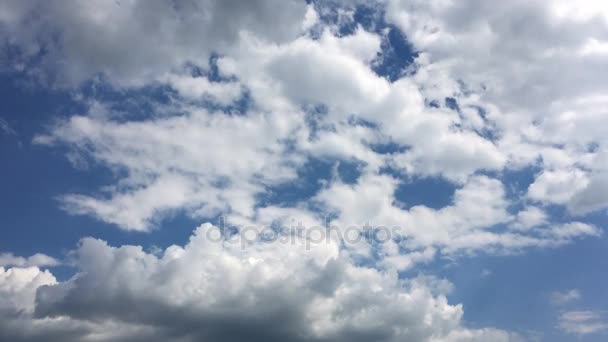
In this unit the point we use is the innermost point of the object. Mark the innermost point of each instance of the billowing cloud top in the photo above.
(326, 116)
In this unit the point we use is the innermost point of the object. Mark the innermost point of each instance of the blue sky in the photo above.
(148, 123)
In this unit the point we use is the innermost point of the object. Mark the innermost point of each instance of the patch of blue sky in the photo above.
(389, 147)
(396, 53)
(314, 118)
(211, 71)
(513, 292)
(312, 178)
(432, 192)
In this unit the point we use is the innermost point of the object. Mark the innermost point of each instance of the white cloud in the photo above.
(561, 298)
(203, 162)
(557, 186)
(582, 322)
(305, 70)
(336, 72)
(536, 69)
(592, 197)
(5, 128)
(530, 217)
(529, 88)
(199, 88)
(573, 229)
(311, 18)
(38, 259)
(18, 287)
(185, 156)
(132, 41)
(200, 290)
(463, 226)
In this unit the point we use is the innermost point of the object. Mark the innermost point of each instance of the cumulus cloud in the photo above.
(557, 186)
(537, 67)
(169, 157)
(79, 40)
(530, 217)
(203, 289)
(468, 224)
(18, 287)
(486, 93)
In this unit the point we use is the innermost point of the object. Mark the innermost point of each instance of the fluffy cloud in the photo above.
(486, 92)
(170, 157)
(18, 287)
(337, 73)
(204, 162)
(593, 196)
(557, 186)
(132, 42)
(201, 290)
(472, 222)
(530, 217)
(538, 68)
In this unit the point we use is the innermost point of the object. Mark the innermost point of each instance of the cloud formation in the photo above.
(256, 92)
(201, 290)
(538, 67)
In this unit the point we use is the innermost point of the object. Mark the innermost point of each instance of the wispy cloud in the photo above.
(565, 297)
(5, 128)
(582, 322)
(37, 260)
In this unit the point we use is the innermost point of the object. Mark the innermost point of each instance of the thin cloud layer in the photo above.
(38, 259)
(582, 322)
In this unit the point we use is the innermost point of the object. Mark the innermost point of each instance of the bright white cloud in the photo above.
(543, 98)
(18, 287)
(465, 225)
(557, 186)
(530, 217)
(203, 162)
